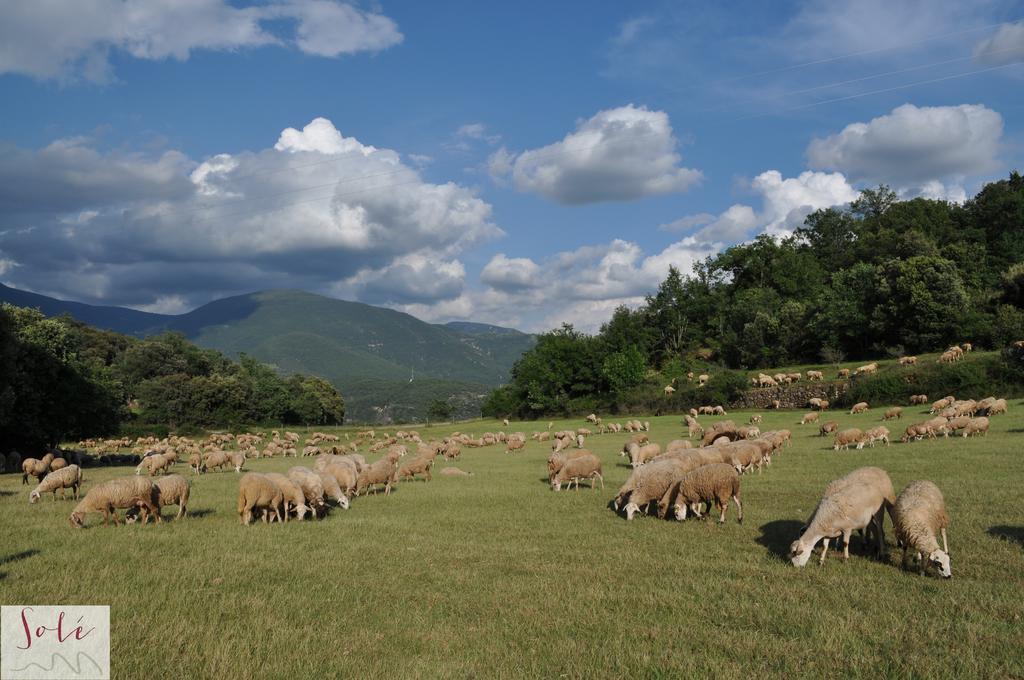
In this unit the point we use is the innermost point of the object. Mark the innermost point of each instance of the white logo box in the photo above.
(48, 641)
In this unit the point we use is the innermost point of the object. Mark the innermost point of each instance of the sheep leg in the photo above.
(846, 543)
(723, 507)
(824, 551)
(920, 563)
(903, 560)
(739, 508)
(945, 548)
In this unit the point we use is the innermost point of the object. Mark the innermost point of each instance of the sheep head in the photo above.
(800, 552)
(76, 520)
(33, 497)
(940, 559)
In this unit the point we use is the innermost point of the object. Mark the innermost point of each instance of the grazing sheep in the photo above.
(35, 468)
(907, 361)
(703, 379)
(996, 407)
(693, 428)
(638, 455)
(154, 464)
(669, 390)
(715, 483)
(237, 460)
(919, 513)
(915, 432)
(895, 413)
(58, 464)
(859, 407)
(843, 373)
(418, 466)
(344, 475)
(867, 369)
(381, 472)
(850, 503)
(679, 445)
(112, 495)
(828, 428)
(167, 490)
(649, 483)
(258, 492)
(292, 498)
(847, 437)
(574, 469)
(875, 434)
(813, 376)
(776, 404)
(65, 478)
(215, 460)
(755, 419)
(312, 487)
(811, 417)
(195, 461)
(918, 399)
(976, 426)
(332, 489)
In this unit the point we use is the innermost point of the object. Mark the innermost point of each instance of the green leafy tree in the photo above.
(440, 410)
(624, 369)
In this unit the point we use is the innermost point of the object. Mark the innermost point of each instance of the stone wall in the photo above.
(795, 395)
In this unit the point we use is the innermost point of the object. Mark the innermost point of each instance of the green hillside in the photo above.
(369, 353)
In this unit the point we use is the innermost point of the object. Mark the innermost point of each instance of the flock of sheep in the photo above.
(690, 475)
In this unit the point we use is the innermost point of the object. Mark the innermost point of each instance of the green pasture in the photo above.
(495, 575)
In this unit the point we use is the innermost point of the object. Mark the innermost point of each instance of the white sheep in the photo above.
(115, 494)
(919, 513)
(574, 469)
(167, 490)
(257, 492)
(850, 503)
(715, 483)
(65, 478)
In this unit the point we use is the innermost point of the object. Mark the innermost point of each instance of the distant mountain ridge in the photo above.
(351, 344)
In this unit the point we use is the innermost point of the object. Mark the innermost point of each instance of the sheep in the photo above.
(894, 413)
(649, 483)
(907, 361)
(809, 418)
(153, 464)
(312, 487)
(292, 498)
(813, 376)
(967, 347)
(867, 369)
(920, 511)
(850, 503)
(195, 461)
(581, 467)
(996, 407)
(679, 445)
(875, 434)
(167, 490)
(557, 460)
(703, 379)
(776, 404)
(237, 460)
(715, 483)
(504, 422)
(915, 432)
(693, 428)
(823, 405)
(976, 426)
(638, 455)
(843, 373)
(859, 407)
(35, 468)
(516, 444)
(215, 459)
(847, 437)
(828, 428)
(918, 399)
(380, 472)
(58, 463)
(332, 489)
(455, 472)
(417, 466)
(258, 492)
(114, 494)
(344, 475)
(755, 419)
(669, 390)
(65, 478)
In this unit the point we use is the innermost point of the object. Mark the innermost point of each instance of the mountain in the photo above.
(371, 354)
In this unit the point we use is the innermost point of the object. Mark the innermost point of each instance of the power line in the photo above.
(883, 90)
(866, 52)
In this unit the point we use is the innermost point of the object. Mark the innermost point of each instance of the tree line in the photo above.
(878, 277)
(63, 380)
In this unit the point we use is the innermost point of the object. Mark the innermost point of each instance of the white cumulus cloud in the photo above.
(56, 39)
(620, 154)
(511, 273)
(914, 145)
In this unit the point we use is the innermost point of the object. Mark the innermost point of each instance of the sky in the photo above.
(525, 164)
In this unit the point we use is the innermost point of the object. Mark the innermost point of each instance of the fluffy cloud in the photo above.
(416, 278)
(912, 145)
(1004, 47)
(511, 274)
(688, 222)
(620, 154)
(787, 201)
(53, 39)
(316, 210)
(731, 226)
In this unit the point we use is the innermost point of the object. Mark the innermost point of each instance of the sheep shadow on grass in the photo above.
(778, 535)
(1007, 533)
(197, 514)
(5, 494)
(16, 557)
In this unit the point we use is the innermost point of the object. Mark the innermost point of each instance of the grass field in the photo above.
(495, 575)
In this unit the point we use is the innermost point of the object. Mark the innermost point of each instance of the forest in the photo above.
(64, 380)
(880, 277)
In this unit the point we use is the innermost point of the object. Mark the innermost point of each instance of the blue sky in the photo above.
(520, 164)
